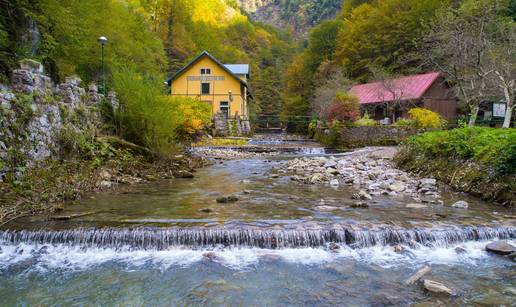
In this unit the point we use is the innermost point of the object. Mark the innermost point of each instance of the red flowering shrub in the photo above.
(345, 107)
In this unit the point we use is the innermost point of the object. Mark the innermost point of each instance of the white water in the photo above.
(43, 257)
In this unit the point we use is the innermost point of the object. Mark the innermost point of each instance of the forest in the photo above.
(291, 77)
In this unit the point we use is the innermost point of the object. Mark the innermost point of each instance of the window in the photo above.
(224, 108)
(205, 71)
(205, 88)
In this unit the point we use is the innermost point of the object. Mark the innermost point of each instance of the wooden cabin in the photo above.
(392, 99)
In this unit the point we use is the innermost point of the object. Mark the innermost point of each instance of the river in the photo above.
(170, 243)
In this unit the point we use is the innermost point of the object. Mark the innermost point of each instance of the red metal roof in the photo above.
(405, 88)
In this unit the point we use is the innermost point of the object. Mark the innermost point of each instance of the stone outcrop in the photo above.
(34, 114)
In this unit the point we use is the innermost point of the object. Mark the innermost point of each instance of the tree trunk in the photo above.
(473, 117)
(508, 116)
(508, 108)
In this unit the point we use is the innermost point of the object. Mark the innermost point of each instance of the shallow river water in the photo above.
(157, 244)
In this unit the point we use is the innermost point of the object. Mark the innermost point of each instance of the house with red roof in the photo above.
(394, 98)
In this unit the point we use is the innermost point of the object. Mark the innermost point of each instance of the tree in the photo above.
(380, 33)
(327, 87)
(345, 107)
(458, 43)
(502, 61)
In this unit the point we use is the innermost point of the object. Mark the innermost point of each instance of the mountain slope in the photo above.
(297, 15)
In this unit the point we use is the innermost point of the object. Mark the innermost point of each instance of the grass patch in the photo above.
(205, 142)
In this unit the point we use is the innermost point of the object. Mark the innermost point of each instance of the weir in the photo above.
(197, 237)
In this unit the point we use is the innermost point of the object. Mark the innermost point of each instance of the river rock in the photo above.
(427, 182)
(460, 250)
(397, 187)
(206, 210)
(334, 182)
(325, 208)
(333, 246)
(436, 287)
(461, 204)
(398, 248)
(106, 184)
(501, 248)
(330, 163)
(416, 206)
(362, 195)
(316, 178)
(359, 204)
(227, 199)
(210, 255)
(184, 174)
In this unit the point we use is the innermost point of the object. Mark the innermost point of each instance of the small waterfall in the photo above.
(163, 238)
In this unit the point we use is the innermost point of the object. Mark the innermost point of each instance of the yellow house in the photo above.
(223, 86)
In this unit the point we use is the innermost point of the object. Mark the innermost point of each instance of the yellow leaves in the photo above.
(424, 118)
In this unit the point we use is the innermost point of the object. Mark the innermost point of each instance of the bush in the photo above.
(495, 148)
(194, 115)
(151, 119)
(405, 123)
(424, 118)
(365, 121)
(345, 107)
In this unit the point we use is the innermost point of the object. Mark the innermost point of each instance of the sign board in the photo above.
(498, 109)
(205, 78)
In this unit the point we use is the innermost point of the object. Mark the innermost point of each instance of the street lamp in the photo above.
(102, 40)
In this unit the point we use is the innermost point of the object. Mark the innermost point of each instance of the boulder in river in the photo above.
(501, 248)
(461, 204)
(362, 195)
(184, 174)
(227, 199)
(334, 182)
(359, 204)
(436, 287)
(460, 250)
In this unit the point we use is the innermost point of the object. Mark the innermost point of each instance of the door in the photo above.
(224, 108)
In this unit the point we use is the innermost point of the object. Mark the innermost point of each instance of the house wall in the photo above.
(439, 99)
(219, 89)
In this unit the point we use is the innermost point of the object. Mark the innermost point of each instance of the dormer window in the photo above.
(205, 71)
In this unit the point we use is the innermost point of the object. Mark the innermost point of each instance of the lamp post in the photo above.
(230, 98)
(102, 40)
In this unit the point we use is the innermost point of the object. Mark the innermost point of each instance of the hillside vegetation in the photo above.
(470, 41)
(155, 37)
(296, 15)
(481, 161)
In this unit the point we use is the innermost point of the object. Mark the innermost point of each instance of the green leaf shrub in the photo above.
(495, 148)
(365, 121)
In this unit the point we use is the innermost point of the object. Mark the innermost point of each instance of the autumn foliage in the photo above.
(345, 107)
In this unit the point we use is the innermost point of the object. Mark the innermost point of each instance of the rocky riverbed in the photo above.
(229, 154)
(370, 171)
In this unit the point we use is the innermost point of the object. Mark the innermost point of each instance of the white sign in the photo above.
(205, 78)
(498, 109)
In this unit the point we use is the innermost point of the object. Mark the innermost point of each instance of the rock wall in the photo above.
(224, 126)
(35, 114)
(376, 135)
